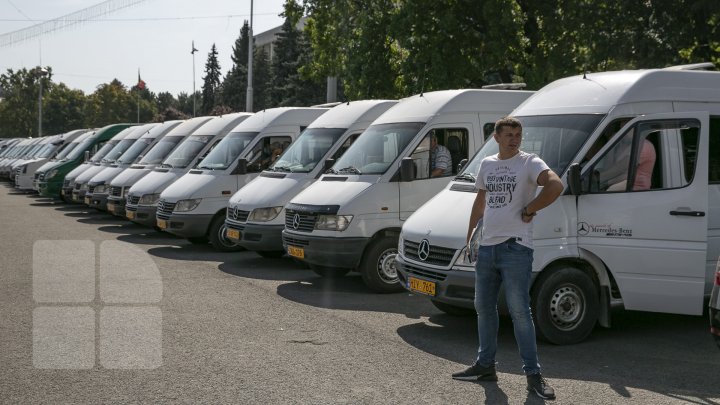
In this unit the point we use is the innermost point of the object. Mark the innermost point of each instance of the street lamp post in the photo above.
(40, 73)
(249, 93)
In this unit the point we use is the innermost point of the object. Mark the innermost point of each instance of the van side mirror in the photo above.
(461, 165)
(407, 169)
(328, 164)
(574, 180)
(87, 155)
(241, 167)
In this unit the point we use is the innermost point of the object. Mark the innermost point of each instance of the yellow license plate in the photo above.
(87, 200)
(111, 207)
(162, 224)
(422, 286)
(232, 233)
(130, 214)
(296, 252)
(62, 193)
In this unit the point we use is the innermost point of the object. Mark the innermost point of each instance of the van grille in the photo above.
(237, 214)
(439, 256)
(300, 221)
(91, 189)
(295, 242)
(115, 191)
(424, 273)
(164, 209)
(133, 199)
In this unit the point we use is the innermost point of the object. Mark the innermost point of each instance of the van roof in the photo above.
(189, 126)
(221, 125)
(422, 107)
(302, 116)
(140, 130)
(598, 93)
(160, 129)
(345, 114)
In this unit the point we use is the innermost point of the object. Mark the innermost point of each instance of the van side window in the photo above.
(488, 129)
(349, 141)
(265, 152)
(714, 150)
(642, 158)
(440, 152)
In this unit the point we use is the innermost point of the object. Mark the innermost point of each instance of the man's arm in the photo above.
(478, 210)
(552, 188)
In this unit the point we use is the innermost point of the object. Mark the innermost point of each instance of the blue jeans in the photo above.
(509, 263)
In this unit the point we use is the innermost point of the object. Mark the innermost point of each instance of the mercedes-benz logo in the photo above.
(583, 228)
(236, 211)
(296, 221)
(424, 250)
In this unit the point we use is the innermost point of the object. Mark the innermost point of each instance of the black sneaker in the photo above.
(540, 386)
(476, 372)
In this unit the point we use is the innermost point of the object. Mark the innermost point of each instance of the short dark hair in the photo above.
(508, 121)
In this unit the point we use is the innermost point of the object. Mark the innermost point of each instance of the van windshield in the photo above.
(134, 151)
(377, 148)
(107, 147)
(556, 139)
(225, 152)
(66, 150)
(161, 150)
(305, 153)
(118, 150)
(187, 151)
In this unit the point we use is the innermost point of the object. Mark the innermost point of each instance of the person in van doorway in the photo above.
(440, 159)
(506, 202)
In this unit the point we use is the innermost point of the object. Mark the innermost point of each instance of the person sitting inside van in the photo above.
(643, 172)
(440, 159)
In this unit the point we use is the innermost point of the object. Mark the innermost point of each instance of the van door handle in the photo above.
(688, 213)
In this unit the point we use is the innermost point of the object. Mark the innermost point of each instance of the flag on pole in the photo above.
(140, 82)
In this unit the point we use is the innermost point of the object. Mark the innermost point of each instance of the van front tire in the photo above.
(565, 304)
(377, 267)
(217, 237)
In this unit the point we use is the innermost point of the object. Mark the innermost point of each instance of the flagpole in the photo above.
(193, 57)
(138, 97)
(249, 92)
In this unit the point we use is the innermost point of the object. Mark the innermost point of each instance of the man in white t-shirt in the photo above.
(506, 202)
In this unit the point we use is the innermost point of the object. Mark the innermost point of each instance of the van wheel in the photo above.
(217, 237)
(198, 241)
(378, 266)
(453, 309)
(329, 272)
(566, 305)
(271, 254)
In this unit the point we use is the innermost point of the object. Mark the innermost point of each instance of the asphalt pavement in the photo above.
(198, 326)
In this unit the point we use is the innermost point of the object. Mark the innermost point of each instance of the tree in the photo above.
(261, 81)
(211, 81)
(63, 109)
(19, 107)
(166, 100)
(110, 104)
(234, 87)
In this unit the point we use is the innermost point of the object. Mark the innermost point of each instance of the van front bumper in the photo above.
(322, 251)
(98, 201)
(257, 237)
(454, 287)
(116, 206)
(49, 188)
(186, 226)
(142, 214)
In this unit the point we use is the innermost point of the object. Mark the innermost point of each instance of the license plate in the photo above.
(422, 286)
(87, 200)
(232, 233)
(111, 207)
(130, 214)
(296, 252)
(62, 193)
(162, 224)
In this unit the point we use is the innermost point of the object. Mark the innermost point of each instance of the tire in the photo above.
(378, 266)
(217, 237)
(198, 241)
(566, 305)
(453, 309)
(271, 254)
(329, 272)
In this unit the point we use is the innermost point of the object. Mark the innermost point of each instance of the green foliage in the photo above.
(261, 80)
(211, 82)
(63, 109)
(234, 87)
(19, 106)
(110, 104)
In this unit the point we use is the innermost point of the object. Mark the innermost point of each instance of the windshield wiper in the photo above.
(163, 165)
(466, 177)
(331, 170)
(350, 169)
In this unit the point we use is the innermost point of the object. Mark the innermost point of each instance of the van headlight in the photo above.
(149, 199)
(51, 174)
(84, 186)
(463, 261)
(333, 222)
(264, 214)
(187, 205)
(100, 189)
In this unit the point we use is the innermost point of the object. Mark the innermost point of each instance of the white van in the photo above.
(351, 219)
(100, 182)
(194, 206)
(76, 189)
(120, 185)
(25, 173)
(651, 242)
(255, 217)
(143, 196)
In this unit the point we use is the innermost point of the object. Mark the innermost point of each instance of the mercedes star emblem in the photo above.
(296, 221)
(236, 211)
(424, 250)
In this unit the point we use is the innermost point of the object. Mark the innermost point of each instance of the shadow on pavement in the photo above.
(184, 250)
(640, 351)
(145, 236)
(251, 265)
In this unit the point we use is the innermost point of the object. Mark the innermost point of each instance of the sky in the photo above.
(154, 36)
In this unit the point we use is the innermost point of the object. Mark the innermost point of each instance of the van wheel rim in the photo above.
(222, 232)
(386, 266)
(567, 307)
